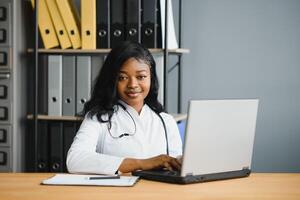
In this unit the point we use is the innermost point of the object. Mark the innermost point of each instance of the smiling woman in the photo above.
(134, 83)
(125, 128)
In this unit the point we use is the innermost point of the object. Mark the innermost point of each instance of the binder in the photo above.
(117, 27)
(43, 85)
(103, 23)
(55, 85)
(149, 23)
(172, 40)
(59, 26)
(83, 81)
(97, 62)
(71, 21)
(42, 152)
(69, 132)
(46, 26)
(68, 85)
(133, 20)
(56, 146)
(88, 24)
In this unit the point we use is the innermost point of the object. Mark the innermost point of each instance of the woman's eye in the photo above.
(141, 77)
(121, 78)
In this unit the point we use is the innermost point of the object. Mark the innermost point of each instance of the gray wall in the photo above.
(249, 49)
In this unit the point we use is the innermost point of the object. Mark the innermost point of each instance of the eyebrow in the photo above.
(143, 70)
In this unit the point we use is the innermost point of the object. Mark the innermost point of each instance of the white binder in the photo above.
(83, 81)
(55, 85)
(69, 84)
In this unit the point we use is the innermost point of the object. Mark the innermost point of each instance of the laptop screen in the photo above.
(219, 136)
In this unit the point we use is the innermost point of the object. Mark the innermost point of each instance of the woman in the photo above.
(125, 128)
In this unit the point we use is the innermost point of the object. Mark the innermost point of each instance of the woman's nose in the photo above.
(132, 83)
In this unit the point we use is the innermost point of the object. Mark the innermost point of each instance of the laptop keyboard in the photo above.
(165, 172)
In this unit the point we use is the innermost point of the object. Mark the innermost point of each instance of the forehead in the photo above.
(134, 65)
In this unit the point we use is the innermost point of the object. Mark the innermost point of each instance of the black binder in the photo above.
(56, 146)
(103, 23)
(42, 151)
(69, 132)
(43, 85)
(117, 23)
(133, 20)
(149, 23)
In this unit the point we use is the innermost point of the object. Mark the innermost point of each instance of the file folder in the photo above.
(172, 41)
(46, 26)
(71, 20)
(68, 85)
(55, 85)
(59, 26)
(83, 81)
(133, 20)
(88, 24)
(43, 85)
(149, 23)
(56, 146)
(69, 132)
(97, 62)
(117, 26)
(42, 152)
(103, 23)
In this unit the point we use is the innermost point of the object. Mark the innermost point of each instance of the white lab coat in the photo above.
(95, 151)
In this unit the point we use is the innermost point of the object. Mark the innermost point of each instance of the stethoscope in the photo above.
(134, 132)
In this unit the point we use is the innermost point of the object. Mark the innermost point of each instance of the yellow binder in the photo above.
(71, 21)
(58, 25)
(46, 26)
(88, 24)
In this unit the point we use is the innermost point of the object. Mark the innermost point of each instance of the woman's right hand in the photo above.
(161, 161)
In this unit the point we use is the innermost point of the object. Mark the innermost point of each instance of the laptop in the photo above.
(218, 143)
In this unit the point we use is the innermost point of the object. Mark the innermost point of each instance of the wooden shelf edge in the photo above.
(100, 51)
(177, 117)
(56, 118)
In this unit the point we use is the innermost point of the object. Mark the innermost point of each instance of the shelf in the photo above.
(177, 117)
(100, 51)
(56, 118)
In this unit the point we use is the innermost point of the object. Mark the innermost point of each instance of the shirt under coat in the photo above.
(96, 150)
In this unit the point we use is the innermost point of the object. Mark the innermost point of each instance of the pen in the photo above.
(103, 177)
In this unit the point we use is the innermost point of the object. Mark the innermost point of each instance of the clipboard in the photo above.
(93, 180)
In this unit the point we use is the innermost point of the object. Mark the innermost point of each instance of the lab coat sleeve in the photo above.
(174, 140)
(82, 156)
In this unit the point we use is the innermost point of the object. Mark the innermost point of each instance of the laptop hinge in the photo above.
(189, 174)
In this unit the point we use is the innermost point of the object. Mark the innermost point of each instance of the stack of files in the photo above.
(58, 24)
(46, 26)
(98, 180)
(88, 24)
(71, 20)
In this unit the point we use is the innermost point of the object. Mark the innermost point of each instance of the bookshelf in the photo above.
(39, 120)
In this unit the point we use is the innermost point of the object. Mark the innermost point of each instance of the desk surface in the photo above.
(26, 186)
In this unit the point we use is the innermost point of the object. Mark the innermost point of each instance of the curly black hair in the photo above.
(104, 93)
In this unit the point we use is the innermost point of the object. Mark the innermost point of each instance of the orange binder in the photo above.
(46, 26)
(88, 24)
(58, 25)
(71, 21)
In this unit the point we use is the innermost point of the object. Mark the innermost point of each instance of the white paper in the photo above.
(172, 41)
(75, 179)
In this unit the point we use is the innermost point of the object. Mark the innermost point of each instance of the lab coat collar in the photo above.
(132, 110)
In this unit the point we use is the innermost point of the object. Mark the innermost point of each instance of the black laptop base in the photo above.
(173, 177)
